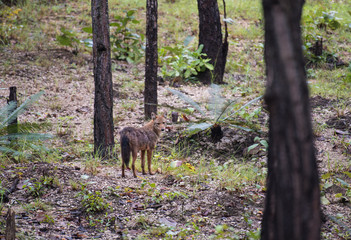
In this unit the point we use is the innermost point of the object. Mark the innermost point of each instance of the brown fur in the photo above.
(141, 139)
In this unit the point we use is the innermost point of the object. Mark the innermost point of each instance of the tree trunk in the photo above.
(10, 232)
(150, 93)
(12, 126)
(210, 35)
(103, 103)
(292, 208)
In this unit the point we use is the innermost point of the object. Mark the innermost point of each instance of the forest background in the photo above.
(204, 189)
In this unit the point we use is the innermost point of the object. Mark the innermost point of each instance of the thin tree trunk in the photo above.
(12, 126)
(292, 208)
(210, 35)
(10, 232)
(103, 103)
(151, 64)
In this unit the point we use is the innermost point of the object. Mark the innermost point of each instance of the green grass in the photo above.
(331, 83)
(37, 204)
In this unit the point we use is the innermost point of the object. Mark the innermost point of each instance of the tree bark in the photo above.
(103, 103)
(292, 208)
(12, 126)
(10, 232)
(210, 35)
(151, 57)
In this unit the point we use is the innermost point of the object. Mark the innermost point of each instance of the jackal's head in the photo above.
(159, 123)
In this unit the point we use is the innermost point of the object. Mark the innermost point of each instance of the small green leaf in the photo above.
(87, 29)
(252, 147)
(324, 200)
(64, 40)
(188, 40)
(209, 66)
(264, 143)
(195, 128)
(348, 174)
(345, 184)
(338, 195)
(327, 185)
(326, 175)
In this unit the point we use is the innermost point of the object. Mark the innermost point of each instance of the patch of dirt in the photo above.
(319, 101)
(342, 122)
(133, 207)
(152, 203)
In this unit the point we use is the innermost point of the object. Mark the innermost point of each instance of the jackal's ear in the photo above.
(153, 116)
(163, 114)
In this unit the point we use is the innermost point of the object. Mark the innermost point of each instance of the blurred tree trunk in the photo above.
(10, 2)
(103, 103)
(151, 57)
(210, 35)
(292, 207)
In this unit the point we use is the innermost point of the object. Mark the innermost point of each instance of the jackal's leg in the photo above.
(134, 155)
(123, 169)
(149, 158)
(143, 161)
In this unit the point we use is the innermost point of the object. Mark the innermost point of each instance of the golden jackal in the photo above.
(141, 139)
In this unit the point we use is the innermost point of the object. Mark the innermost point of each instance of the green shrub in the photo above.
(126, 44)
(180, 61)
(8, 26)
(221, 112)
(317, 25)
(68, 38)
(92, 202)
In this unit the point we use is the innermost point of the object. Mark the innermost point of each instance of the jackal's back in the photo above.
(139, 138)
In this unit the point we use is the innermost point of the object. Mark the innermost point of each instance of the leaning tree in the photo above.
(210, 35)
(292, 207)
(150, 93)
(103, 102)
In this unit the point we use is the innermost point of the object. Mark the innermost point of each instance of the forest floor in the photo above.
(202, 190)
(165, 205)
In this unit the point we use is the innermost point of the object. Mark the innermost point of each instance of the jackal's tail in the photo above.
(125, 149)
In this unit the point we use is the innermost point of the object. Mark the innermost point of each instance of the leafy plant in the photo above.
(36, 205)
(328, 20)
(224, 232)
(19, 144)
(2, 193)
(8, 25)
(259, 142)
(68, 38)
(92, 202)
(126, 44)
(330, 179)
(48, 219)
(317, 26)
(38, 188)
(180, 61)
(221, 111)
